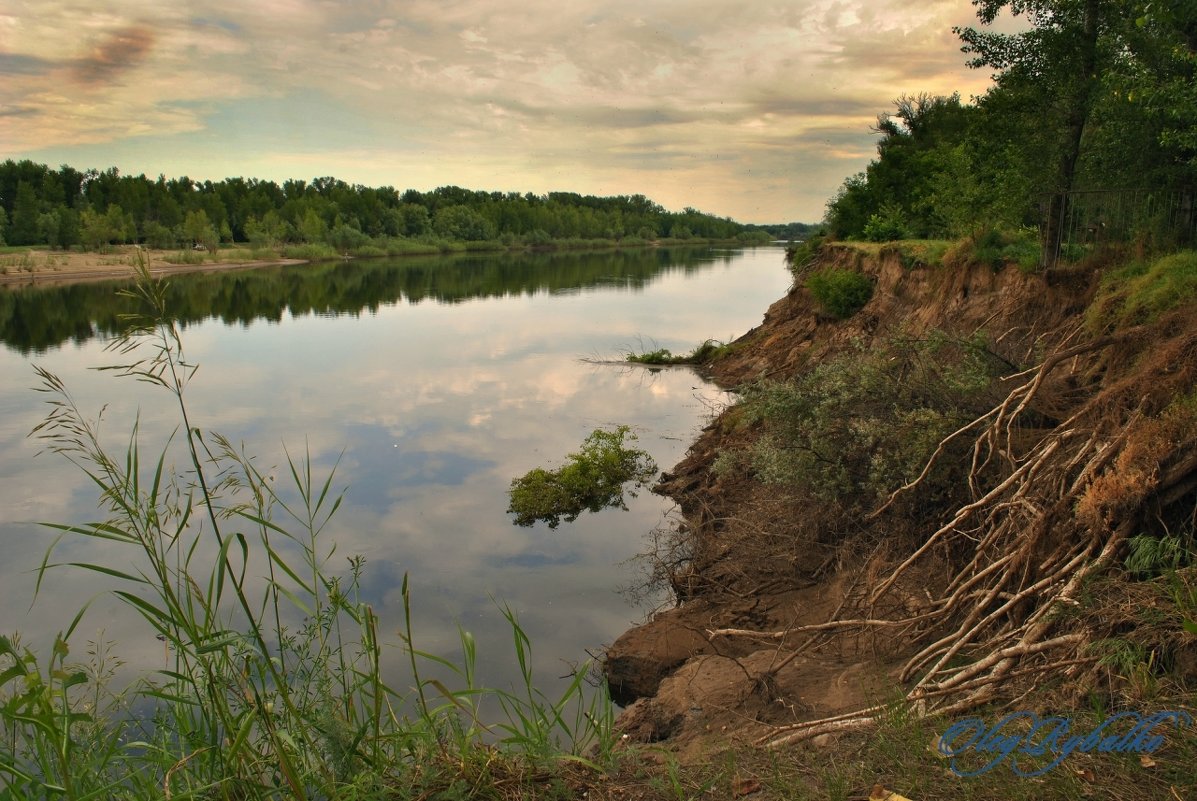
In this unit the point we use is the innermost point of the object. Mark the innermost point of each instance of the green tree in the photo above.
(198, 229)
(346, 237)
(312, 228)
(896, 195)
(25, 216)
(159, 236)
(3, 224)
(47, 227)
(68, 227)
(98, 231)
(416, 220)
(463, 223)
(268, 232)
(1061, 58)
(1152, 96)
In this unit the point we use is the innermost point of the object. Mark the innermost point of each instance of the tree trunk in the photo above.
(1056, 213)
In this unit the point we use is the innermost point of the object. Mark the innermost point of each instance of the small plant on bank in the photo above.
(995, 248)
(591, 480)
(841, 293)
(707, 352)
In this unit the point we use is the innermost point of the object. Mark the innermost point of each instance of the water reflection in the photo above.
(431, 408)
(33, 320)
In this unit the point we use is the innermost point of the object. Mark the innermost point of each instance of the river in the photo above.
(433, 382)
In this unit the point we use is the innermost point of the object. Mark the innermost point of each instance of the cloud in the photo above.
(117, 53)
(683, 101)
(19, 64)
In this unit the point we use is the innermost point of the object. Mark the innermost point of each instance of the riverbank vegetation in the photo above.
(325, 218)
(705, 353)
(594, 478)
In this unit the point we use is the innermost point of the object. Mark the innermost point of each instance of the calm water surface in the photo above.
(435, 381)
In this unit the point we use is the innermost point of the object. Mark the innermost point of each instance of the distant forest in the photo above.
(95, 209)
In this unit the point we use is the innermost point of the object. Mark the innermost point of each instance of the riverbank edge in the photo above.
(78, 267)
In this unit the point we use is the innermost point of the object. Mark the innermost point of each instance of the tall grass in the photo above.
(273, 685)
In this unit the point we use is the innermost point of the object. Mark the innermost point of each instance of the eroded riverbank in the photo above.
(795, 609)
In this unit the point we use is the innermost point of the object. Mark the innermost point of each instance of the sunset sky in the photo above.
(755, 111)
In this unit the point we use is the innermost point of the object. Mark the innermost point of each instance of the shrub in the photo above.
(801, 255)
(840, 292)
(592, 479)
(887, 225)
(310, 252)
(186, 257)
(658, 356)
(399, 246)
(857, 427)
(997, 247)
(707, 352)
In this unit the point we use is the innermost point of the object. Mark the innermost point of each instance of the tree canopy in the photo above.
(1094, 95)
(66, 207)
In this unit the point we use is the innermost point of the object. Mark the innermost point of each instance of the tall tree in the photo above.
(26, 211)
(1061, 58)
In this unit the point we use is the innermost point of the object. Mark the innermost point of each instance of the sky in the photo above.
(756, 111)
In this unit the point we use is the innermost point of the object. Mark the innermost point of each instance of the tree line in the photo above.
(1094, 95)
(94, 209)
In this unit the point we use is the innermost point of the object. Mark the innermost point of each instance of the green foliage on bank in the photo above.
(1143, 290)
(841, 293)
(859, 426)
(707, 352)
(1087, 96)
(592, 479)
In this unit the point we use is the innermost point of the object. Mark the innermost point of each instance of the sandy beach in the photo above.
(42, 267)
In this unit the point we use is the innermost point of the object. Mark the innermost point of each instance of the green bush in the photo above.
(707, 352)
(801, 255)
(858, 426)
(887, 225)
(310, 252)
(658, 356)
(400, 246)
(841, 293)
(592, 479)
(997, 247)
(913, 253)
